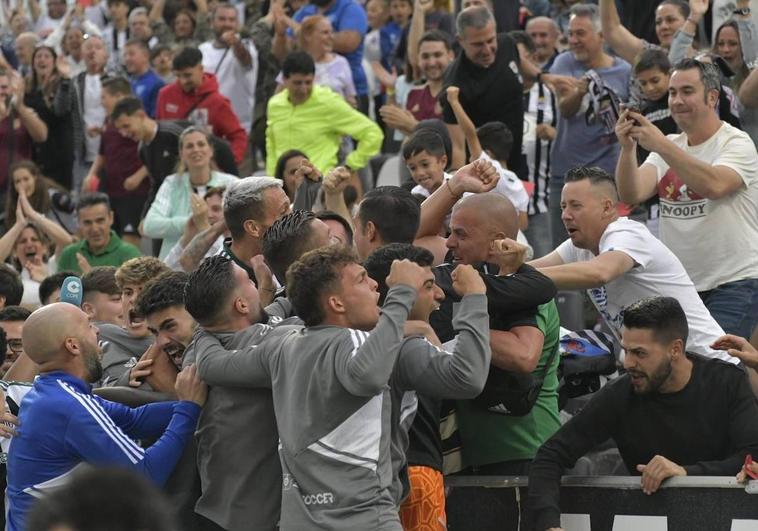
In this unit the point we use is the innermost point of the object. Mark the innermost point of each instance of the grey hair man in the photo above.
(586, 81)
(487, 71)
(545, 34)
(251, 205)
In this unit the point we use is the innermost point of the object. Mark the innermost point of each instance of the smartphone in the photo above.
(631, 108)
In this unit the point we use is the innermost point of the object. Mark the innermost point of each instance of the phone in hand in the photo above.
(631, 108)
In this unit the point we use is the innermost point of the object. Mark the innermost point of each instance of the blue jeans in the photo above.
(734, 306)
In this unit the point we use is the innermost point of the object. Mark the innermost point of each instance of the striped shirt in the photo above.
(539, 108)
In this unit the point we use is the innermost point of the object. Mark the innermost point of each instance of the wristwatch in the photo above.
(745, 11)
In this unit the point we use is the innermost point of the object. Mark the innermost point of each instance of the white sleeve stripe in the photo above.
(105, 422)
(118, 438)
(116, 430)
(97, 408)
(356, 344)
(359, 338)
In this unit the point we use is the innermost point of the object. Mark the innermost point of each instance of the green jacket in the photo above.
(492, 438)
(316, 128)
(114, 254)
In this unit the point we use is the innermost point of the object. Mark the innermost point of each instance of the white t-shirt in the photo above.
(509, 185)
(420, 190)
(715, 239)
(235, 81)
(94, 114)
(657, 272)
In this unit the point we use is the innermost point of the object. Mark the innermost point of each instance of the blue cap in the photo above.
(71, 291)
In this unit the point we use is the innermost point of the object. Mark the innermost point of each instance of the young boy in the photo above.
(652, 74)
(493, 142)
(101, 297)
(125, 177)
(424, 154)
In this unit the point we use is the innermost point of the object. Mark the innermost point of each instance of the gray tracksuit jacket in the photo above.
(422, 367)
(333, 408)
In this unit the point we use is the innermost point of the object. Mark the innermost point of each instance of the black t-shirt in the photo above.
(521, 294)
(491, 94)
(708, 427)
(659, 114)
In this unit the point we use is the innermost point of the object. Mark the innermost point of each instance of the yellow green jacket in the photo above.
(316, 128)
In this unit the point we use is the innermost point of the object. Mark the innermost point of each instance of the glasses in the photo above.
(15, 345)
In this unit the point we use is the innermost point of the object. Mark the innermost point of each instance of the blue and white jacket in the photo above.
(63, 426)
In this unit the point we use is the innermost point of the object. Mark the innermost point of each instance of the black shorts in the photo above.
(127, 214)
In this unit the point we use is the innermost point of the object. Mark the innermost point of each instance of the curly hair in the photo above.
(138, 271)
(315, 274)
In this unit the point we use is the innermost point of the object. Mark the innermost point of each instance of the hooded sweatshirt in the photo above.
(204, 106)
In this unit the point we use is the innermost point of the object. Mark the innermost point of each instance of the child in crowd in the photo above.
(424, 154)
(493, 142)
(652, 73)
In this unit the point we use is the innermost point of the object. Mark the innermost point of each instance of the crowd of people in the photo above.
(295, 261)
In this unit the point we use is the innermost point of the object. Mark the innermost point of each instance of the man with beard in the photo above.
(435, 54)
(66, 426)
(657, 413)
(236, 493)
(335, 450)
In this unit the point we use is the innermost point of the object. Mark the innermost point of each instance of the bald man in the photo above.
(545, 34)
(524, 321)
(65, 426)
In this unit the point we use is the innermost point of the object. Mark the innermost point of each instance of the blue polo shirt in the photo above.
(146, 88)
(345, 15)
